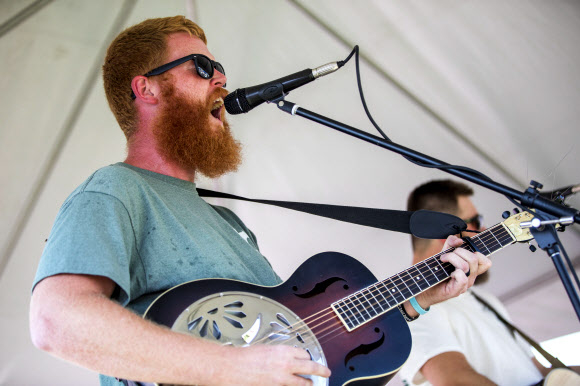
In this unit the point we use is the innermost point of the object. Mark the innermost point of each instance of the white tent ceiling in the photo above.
(491, 85)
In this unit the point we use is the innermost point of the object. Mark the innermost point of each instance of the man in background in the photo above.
(462, 342)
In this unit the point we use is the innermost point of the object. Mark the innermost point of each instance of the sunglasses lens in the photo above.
(476, 221)
(219, 67)
(204, 67)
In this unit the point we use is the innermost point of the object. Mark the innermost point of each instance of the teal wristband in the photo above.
(417, 307)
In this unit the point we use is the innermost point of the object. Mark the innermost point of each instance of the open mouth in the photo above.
(217, 107)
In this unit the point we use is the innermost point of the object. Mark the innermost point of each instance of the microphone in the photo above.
(244, 99)
(561, 193)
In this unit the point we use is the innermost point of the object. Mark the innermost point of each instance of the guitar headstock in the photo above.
(513, 224)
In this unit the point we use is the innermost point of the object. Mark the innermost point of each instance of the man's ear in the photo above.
(144, 89)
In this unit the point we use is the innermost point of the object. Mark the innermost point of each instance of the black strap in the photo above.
(556, 363)
(392, 220)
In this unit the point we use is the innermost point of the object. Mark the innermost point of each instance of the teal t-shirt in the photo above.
(149, 232)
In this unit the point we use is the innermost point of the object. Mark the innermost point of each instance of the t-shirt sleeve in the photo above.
(432, 335)
(91, 235)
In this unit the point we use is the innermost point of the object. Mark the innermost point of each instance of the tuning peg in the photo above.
(505, 214)
(516, 210)
(532, 248)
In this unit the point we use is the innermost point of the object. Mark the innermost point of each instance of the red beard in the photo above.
(184, 136)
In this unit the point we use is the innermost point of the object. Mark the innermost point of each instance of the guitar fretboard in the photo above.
(370, 302)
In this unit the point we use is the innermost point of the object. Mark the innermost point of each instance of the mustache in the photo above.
(219, 93)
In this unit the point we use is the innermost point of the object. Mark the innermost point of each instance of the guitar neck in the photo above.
(373, 301)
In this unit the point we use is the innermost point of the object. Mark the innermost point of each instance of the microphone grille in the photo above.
(236, 102)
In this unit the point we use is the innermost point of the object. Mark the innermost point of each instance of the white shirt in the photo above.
(465, 325)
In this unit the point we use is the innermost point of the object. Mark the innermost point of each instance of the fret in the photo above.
(494, 245)
(492, 239)
(355, 318)
(378, 298)
(403, 288)
(479, 244)
(342, 310)
(440, 272)
(496, 239)
(384, 304)
(411, 283)
(419, 279)
(385, 294)
(504, 236)
(394, 291)
(361, 306)
(370, 303)
(428, 273)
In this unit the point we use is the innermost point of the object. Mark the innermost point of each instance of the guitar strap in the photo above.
(555, 362)
(392, 220)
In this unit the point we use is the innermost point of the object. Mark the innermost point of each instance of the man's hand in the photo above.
(72, 317)
(271, 365)
(464, 261)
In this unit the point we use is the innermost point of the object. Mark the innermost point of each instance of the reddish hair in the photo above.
(135, 51)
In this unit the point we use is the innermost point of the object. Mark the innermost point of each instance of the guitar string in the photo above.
(320, 334)
(322, 338)
(360, 294)
(391, 307)
(373, 306)
(429, 263)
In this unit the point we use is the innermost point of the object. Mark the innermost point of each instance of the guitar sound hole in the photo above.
(233, 322)
(345, 286)
(299, 338)
(193, 324)
(203, 331)
(216, 331)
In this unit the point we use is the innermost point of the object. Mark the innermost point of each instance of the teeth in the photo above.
(217, 103)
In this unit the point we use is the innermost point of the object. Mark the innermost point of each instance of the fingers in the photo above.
(459, 282)
(468, 262)
(464, 262)
(304, 364)
(279, 365)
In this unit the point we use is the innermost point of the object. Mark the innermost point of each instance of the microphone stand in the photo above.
(545, 233)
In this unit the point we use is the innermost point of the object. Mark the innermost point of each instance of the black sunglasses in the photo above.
(476, 220)
(203, 65)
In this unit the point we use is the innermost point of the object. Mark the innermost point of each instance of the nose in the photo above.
(218, 79)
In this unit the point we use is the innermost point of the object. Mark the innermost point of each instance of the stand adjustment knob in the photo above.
(536, 185)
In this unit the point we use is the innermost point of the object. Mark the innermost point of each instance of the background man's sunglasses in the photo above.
(203, 65)
(476, 220)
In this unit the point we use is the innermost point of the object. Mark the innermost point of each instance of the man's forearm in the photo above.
(96, 333)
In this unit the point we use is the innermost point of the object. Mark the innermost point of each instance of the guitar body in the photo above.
(296, 312)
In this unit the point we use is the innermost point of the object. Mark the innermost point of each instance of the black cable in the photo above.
(410, 159)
